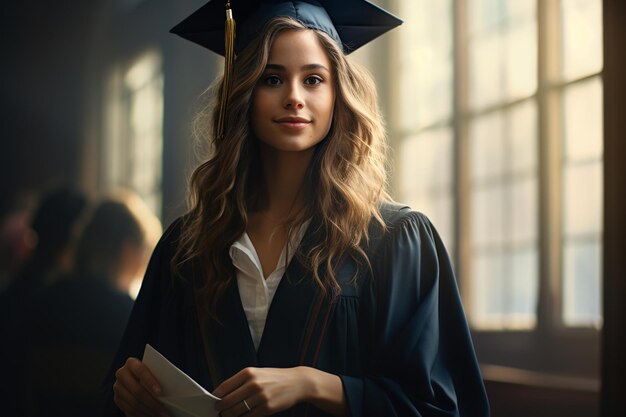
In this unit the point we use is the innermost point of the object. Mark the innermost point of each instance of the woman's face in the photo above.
(292, 105)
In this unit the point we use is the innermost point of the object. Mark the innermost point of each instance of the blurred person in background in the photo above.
(17, 241)
(53, 227)
(81, 318)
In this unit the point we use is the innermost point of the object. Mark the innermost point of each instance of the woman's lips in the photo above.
(293, 122)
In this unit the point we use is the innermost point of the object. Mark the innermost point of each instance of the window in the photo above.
(501, 112)
(134, 130)
(425, 122)
(498, 127)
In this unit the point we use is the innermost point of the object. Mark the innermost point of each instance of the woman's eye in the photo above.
(272, 80)
(314, 80)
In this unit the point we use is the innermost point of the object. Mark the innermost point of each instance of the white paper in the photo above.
(181, 395)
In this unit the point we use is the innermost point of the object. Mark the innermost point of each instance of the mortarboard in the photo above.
(351, 23)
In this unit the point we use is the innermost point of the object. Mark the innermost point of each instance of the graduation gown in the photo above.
(398, 339)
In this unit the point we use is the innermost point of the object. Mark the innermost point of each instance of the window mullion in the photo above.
(549, 136)
(462, 175)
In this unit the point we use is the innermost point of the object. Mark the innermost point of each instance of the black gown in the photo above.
(398, 339)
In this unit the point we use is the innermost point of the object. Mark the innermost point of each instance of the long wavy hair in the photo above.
(344, 185)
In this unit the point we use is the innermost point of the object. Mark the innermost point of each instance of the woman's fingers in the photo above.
(233, 382)
(135, 389)
(143, 375)
(236, 389)
(259, 406)
(237, 410)
(131, 387)
(236, 403)
(124, 400)
(260, 392)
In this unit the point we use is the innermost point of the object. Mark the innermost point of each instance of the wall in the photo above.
(56, 58)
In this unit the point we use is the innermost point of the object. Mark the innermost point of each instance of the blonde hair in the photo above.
(347, 173)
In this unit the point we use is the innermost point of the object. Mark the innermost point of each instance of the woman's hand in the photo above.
(265, 391)
(135, 390)
(257, 392)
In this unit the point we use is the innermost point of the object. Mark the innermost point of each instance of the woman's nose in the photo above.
(294, 97)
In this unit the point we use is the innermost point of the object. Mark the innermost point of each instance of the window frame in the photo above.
(551, 346)
(119, 155)
(547, 347)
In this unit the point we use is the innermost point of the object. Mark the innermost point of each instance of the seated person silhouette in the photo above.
(82, 317)
(53, 228)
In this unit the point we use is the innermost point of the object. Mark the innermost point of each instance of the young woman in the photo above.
(293, 286)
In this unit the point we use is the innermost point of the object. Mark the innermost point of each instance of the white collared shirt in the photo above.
(255, 291)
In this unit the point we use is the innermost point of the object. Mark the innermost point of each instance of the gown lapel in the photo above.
(230, 346)
(291, 326)
(293, 311)
(287, 319)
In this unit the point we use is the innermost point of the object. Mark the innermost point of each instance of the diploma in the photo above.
(181, 395)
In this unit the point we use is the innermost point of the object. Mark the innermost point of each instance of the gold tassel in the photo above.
(229, 56)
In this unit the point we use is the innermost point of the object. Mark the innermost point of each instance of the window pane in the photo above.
(522, 297)
(145, 139)
(522, 130)
(426, 161)
(581, 284)
(504, 217)
(504, 237)
(488, 216)
(523, 205)
(582, 37)
(521, 60)
(582, 205)
(484, 15)
(426, 178)
(582, 202)
(502, 51)
(583, 123)
(487, 290)
(146, 114)
(425, 63)
(520, 10)
(134, 133)
(497, 150)
(487, 146)
(504, 291)
(486, 71)
(490, 15)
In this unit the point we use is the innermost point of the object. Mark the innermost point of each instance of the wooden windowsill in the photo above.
(516, 376)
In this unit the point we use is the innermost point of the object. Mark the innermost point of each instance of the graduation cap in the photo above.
(351, 23)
